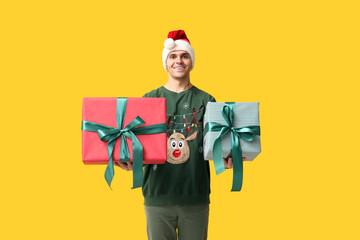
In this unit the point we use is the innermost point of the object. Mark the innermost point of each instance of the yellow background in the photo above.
(299, 59)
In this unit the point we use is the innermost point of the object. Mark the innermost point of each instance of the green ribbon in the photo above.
(110, 135)
(247, 133)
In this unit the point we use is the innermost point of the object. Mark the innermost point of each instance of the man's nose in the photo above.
(179, 60)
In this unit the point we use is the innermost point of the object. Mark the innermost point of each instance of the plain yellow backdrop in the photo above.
(299, 59)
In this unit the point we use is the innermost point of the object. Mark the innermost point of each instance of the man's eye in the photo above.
(185, 56)
(173, 144)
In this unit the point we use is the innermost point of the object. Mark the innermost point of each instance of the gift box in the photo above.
(232, 129)
(124, 129)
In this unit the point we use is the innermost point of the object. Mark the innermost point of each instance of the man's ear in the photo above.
(192, 136)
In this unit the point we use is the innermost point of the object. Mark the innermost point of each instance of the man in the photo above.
(177, 193)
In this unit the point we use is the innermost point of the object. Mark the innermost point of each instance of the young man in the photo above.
(177, 193)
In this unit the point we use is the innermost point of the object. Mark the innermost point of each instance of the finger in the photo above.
(226, 164)
(130, 166)
(121, 165)
(230, 161)
(127, 166)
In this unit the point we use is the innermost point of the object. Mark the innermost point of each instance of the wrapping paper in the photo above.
(103, 111)
(246, 114)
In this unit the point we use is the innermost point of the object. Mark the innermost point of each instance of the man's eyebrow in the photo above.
(181, 54)
(182, 138)
(172, 138)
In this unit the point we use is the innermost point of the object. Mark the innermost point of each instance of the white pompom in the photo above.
(169, 43)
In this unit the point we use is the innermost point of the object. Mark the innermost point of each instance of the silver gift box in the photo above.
(245, 114)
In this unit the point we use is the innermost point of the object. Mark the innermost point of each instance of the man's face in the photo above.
(178, 64)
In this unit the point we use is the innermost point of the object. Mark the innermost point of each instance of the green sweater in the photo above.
(185, 178)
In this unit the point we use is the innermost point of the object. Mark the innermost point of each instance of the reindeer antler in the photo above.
(193, 121)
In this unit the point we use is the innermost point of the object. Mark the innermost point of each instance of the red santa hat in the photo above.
(177, 40)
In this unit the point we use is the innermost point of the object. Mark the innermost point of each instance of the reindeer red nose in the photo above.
(177, 153)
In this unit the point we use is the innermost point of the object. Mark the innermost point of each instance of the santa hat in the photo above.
(177, 40)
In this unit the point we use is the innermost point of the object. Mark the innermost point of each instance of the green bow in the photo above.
(110, 135)
(247, 133)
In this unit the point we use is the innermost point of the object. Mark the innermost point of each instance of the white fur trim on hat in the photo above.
(171, 45)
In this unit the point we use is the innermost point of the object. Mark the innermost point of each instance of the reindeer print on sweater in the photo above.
(181, 131)
(185, 178)
(178, 149)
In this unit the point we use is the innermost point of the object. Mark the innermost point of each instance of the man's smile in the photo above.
(179, 68)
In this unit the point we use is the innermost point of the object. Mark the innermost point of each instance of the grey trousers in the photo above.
(191, 222)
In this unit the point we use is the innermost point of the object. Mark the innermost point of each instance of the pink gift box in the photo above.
(103, 111)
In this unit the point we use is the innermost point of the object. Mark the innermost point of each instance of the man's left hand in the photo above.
(229, 163)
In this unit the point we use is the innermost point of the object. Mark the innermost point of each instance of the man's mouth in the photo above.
(179, 68)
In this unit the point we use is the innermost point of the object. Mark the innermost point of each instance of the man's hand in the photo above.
(229, 163)
(128, 166)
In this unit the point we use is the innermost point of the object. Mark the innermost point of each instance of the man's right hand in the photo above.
(128, 166)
